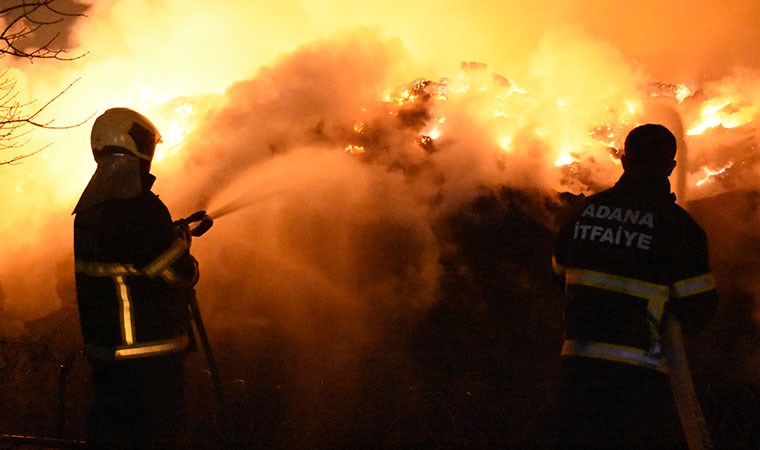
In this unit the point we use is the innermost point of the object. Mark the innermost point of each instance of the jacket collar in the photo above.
(646, 183)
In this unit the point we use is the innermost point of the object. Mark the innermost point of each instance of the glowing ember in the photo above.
(355, 149)
(710, 173)
(680, 91)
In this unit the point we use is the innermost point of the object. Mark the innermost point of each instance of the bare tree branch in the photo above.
(24, 21)
(29, 30)
(15, 125)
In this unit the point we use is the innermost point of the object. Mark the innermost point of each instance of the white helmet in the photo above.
(123, 142)
(127, 129)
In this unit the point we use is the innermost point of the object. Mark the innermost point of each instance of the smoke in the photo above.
(331, 247)
(324, 257)
(680, 41)
(327, 257)
(357, 235)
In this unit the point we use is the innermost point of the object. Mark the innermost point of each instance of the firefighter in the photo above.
(629, 256)
(134, 278)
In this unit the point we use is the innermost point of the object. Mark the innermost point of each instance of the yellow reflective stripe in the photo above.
(558, 268)
(655, 294)
(127, 327)
(156, 267)
(140, 350)
(612, 352)
(176, 250)
(693, 286)
(169, 276)
(152, 348)
(615, 283)
(95, 269)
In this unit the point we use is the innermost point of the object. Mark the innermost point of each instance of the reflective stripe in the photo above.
(95, 269)
(558, 268)
(612, 352)
(153, 348)
(655, 294)
(169, 276)
(615, 283)
(127, 326)
(693, 286)
(177, 249)
(160, 264)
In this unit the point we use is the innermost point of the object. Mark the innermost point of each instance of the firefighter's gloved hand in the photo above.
(205, 223)
(182, 229)
(195, 217)
(203, 220)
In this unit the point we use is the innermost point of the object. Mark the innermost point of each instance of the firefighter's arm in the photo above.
(695, 310)
(559, 257)
(693, 296)
(175, 265)
(562, 240)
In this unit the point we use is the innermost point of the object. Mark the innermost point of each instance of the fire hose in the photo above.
(685, 396)
(204, 223)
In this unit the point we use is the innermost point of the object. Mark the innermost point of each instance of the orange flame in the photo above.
(723, 112)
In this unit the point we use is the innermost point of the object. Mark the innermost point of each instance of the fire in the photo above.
(355, 149)
(503, 111)
(710, 173)
(491, 99)
(177, 119)
(679, 91)
(435, 132)
(565, 158)
(505, 142)
(177, 130)
(723, 112)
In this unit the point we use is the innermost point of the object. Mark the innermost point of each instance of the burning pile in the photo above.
(719, 110)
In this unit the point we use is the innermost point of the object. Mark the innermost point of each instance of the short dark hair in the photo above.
(650, 144)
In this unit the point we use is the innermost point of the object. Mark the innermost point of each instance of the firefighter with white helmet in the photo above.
(630, 259)
(134, 276)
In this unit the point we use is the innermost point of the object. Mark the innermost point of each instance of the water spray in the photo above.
(269, 179)
(231, 207)
(241, 202)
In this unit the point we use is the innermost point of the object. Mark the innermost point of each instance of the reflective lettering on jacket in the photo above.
(629, 255)
(120, 274)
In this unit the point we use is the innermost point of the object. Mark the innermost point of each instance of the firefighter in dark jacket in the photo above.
(134, 276)
(629, 256)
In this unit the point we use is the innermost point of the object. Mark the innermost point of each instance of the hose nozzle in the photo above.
(204, 222)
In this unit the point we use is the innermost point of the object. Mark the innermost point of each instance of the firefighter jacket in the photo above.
(134, 276)
(629, 255)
